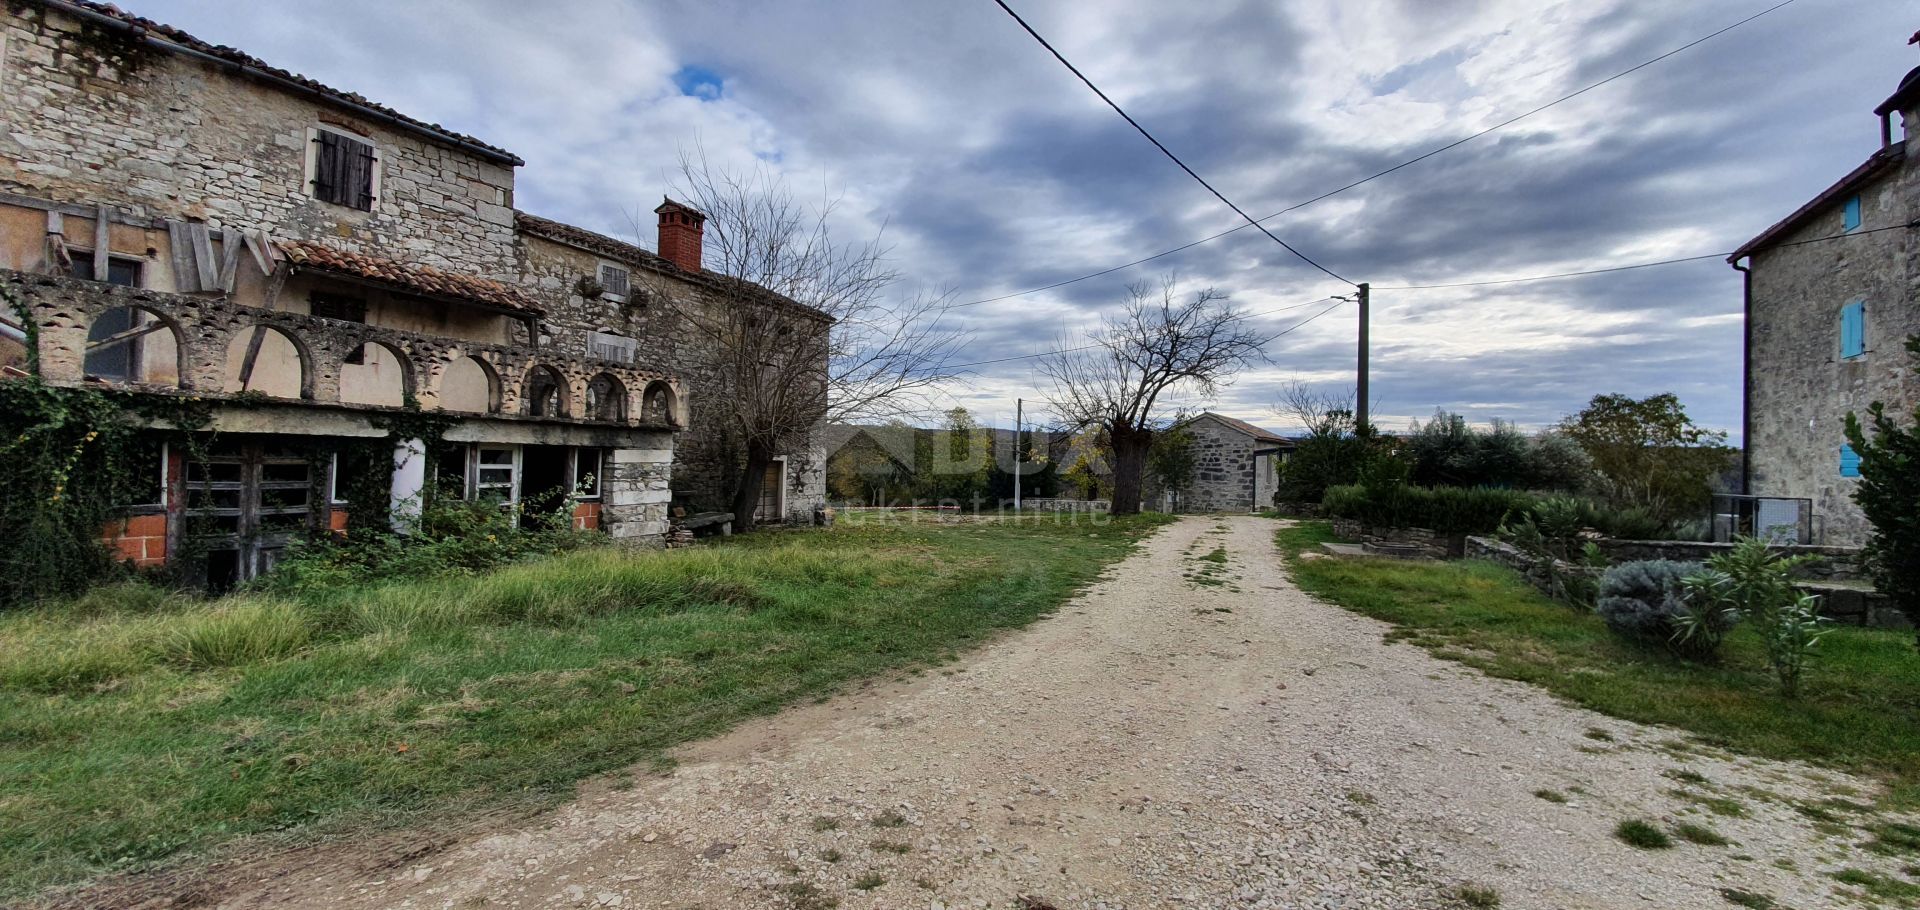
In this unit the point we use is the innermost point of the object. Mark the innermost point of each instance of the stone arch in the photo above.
(545, 393)
(606, 398)
(660, 404)
(376, 373)
(135, 344)
(470, 384)
(268, 360)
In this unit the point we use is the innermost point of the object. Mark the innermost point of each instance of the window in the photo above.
(496, 472)
(120, 270)
(586, 473)
(607, 346)
(1853, 330)
(614, 282)
(150, 460)
(343, 170)
(1850, 215)
(1849, 462)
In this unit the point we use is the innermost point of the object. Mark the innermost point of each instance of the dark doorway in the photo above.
(545, 480)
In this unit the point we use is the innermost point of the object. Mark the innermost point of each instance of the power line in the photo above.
(1643, 265)
(1088, 347)
(1374, 176)
(1163, 149)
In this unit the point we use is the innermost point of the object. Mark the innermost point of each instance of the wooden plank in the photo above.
(186, 278)
(230, 243)
(56, 223)
(209, 275)
(253, 354)
(128, 335)
(258, 245)
(102, 244)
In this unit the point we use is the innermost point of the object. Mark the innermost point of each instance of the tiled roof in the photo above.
(1880, 161)
(170, 35)
(588, 240)
(418, 279)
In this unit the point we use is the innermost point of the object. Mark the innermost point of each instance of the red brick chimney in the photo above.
(680, 230)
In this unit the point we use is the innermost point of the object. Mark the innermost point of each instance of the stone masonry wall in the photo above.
(1223, 470)
(1801, 389)
(165, 136)
(707, 454)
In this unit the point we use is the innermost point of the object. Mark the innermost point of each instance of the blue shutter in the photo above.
(1849, 462)
(1853, 329)
(1850, 217)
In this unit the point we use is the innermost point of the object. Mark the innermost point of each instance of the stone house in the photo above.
(1236, 467)
(186, 220)
(1832, 292)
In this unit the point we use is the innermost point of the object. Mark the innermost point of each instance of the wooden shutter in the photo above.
(326, 167)
(1849, 462)
(1850, 216)
(1853, 329)
(343, 170)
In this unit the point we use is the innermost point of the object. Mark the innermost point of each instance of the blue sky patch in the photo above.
(699, 82)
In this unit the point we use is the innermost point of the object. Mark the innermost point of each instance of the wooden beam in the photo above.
(262, 252)
(253, 354)
(102, 244)
(126, 336)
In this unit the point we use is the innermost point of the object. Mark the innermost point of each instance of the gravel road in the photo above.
(1188, 733)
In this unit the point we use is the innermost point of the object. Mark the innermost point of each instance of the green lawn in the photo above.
(1860, 710)
(137, 728)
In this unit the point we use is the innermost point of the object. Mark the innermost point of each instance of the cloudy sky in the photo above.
(994, 171)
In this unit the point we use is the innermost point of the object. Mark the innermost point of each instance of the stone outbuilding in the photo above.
(1832, 294)
(1236, 467)
(182, 219)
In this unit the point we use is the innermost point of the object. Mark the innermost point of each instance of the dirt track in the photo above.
(1161, 742)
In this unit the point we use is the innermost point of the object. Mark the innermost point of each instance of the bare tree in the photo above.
(1158, 345)
(802, 324)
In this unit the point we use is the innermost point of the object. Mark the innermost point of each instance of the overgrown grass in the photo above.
(135, 725)
(1860, 710)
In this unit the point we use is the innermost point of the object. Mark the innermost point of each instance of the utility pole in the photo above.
(1018, 452)
(1360, 402)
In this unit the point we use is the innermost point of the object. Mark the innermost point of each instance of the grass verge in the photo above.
(136, 727)
(1860, 710)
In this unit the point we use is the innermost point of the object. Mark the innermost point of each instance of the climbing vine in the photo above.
(73, 461)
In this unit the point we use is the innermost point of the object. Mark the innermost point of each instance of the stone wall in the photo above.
(1801, 390)
(87, 120)
(1065, 505)
(1835, 564)
(707, 455)
(1223, 469)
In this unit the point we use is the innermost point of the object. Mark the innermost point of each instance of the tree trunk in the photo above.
(1129, 466)
(746, 495)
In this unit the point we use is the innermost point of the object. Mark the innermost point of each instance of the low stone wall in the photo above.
(1434, 544)
(1065, 505)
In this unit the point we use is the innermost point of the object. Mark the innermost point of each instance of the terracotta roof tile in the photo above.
(419, 279)
(171, 35)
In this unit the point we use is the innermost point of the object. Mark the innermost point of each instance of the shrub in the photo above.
(1447, 451)
(1642, 834)
(1448, 510)
(1551, 534)
(1750, 582)
(1889, 494)
(1647, 601)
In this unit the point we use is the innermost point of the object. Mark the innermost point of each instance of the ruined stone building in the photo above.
(185, 219)
(1832, 293)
